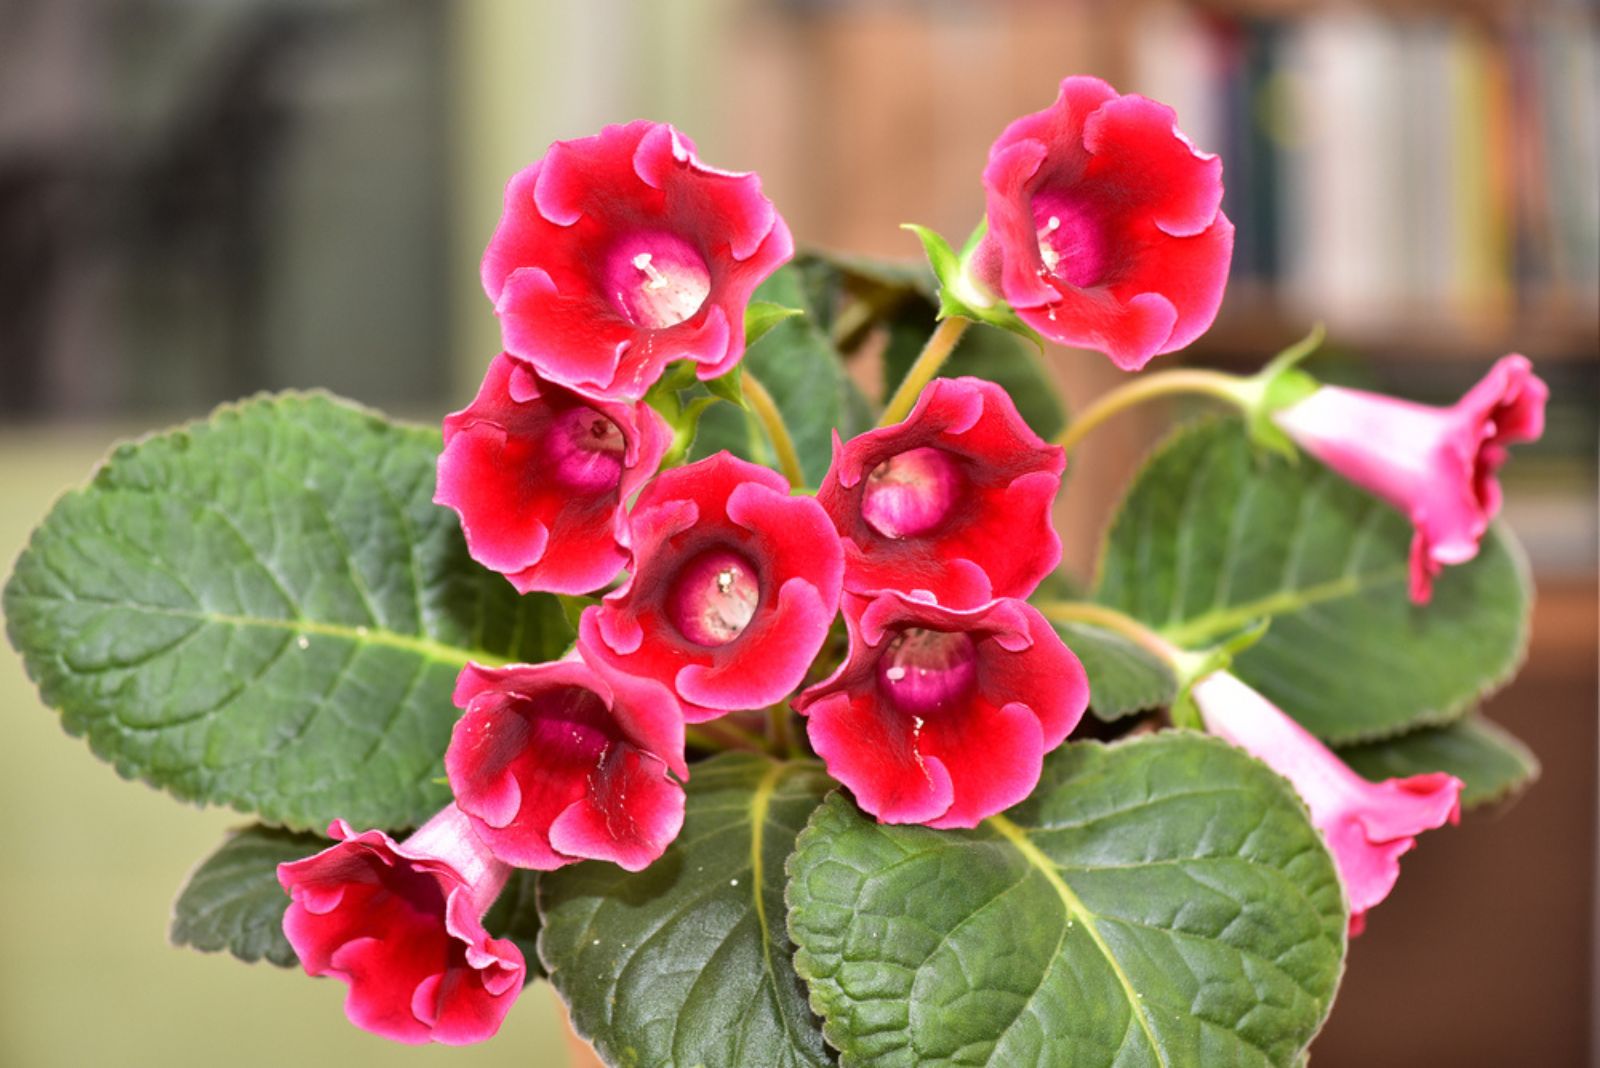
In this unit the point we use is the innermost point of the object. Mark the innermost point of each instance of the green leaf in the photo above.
(800, 368)
(266, 610)
(1160, 902)
(233, 900)
(515, 915)
(1123, 678)
(1488, 759)
(687, 962)
(1215, 535)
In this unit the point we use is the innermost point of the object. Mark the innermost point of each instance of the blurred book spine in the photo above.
(1398, 169)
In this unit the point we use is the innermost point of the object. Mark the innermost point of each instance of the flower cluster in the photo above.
(714, 588)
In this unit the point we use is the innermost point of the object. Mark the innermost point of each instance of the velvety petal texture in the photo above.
(560, 762)
(401, 923)
(1105, 225)
(539, 476)
(954, 502)
(941, 716)
(619, 253)
(1436, 465)
(1367, 825)
(734, 587)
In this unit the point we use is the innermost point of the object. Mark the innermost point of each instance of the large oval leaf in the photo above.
(1160, 902)
(266, 610)
(688, 962)
(1215, 534)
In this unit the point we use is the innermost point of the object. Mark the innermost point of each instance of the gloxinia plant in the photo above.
(739, 701)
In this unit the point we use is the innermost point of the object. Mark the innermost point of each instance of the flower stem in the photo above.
(720, 735)
(766, 410)
(780, 731)
(1099, 615)
(1231, 388)
(932, 357)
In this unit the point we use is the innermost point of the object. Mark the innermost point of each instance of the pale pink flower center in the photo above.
(656, 280)
(924, 671)
(584, 450)
(1072, 242)
(715, 597)
(911, 493)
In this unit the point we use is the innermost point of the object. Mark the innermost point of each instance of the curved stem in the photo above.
(932, 357)
(1230, 388)
(1110, 619)
(766, 410)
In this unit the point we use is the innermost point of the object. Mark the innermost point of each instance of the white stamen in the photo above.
(1050, 256)
(895, 674)
(657, 279)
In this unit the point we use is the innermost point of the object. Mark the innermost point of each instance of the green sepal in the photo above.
(959, 295)
(761, 316)
(729, 387)
(1196, 665)
(1279, 385)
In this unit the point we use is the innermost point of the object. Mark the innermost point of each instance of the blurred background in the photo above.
(204, 198)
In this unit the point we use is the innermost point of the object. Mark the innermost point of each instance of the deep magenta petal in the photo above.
(943, 716)
(619, 253)
(400, 923)
(735, 584)
(1104, 225)
(955, 501)
(543, 752)
(539, 474)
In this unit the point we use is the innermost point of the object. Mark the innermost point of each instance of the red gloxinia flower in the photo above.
(940, 716)
(556, 763)
(539, 476)
(1105, 228)
(1436, 465)
(619, 253)
(734, 586)
(402, 925)
(955, 501)
(1367, 825)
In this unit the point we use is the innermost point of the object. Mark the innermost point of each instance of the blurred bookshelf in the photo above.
(1423, 176)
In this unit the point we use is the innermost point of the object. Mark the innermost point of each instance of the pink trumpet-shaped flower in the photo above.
(940, 716)
(619, 253)
(539, 476)
(556, 763)
(955, 501)
(1367, 825)
(1105, 225)
(401, 923)
(734, 587)
(1436, 465)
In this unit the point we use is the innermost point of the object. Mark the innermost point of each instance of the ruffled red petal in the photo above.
(619, 253)
(560, 762)
(721, 505)
(539, 474)
(957, 735)
(994, 538)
